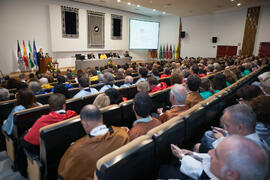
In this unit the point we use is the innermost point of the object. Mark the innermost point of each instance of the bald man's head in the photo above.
(90, 113)
(238, 158)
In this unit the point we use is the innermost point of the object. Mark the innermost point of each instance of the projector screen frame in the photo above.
(144, 21)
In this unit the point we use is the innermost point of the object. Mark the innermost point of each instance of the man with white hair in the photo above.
(108, 81)
(238, 158)
(36, 88)
(4, 94)
(128, 81)
(239, 120)
(178, 96)
(44, 82)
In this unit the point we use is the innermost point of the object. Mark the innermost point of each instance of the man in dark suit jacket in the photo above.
(39, 56)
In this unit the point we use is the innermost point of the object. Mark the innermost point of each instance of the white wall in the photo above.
(263, 31)
(169, 29)
(41, 20)
(227, 27)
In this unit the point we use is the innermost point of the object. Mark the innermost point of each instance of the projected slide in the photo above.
(143, 34)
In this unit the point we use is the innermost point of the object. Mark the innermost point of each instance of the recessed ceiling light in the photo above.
(118, 1)
(163, 12)
(138, 5)
(129, 3)
(239, 4)
(154, 9)
(232, 0)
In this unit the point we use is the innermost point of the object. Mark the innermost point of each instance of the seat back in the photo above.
(128, 115)
(112, 115)
(74, 104)
(6, 107)
(43, 98)
(167, 80)
(54, 141)
(119, 82)
(24, 120)
(160, 99)
(170, 132)
(134, 160)
(89, 99)
(97, 86)
(72, 92)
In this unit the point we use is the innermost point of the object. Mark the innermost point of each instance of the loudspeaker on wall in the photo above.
(183, 34)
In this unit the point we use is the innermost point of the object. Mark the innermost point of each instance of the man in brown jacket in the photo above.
(79, 161)
(193, 84)
(142, 108)
(178, 95)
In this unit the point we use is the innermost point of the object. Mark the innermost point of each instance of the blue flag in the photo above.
(35, 53)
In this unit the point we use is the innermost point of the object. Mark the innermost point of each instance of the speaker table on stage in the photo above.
(44, 64)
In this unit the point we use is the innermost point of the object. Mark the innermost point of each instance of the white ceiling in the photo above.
(176, 7)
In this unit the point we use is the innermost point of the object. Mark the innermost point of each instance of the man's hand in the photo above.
(179, 153)
(218, 132)
(160, 110)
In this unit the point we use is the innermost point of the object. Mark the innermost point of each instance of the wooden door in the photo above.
(264, 49)
(226, 51)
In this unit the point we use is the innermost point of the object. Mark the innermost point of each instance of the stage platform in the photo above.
(99, 62)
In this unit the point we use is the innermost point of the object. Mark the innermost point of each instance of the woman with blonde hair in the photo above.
(102, 100)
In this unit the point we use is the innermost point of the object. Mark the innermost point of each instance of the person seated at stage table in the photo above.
(84, 88)
(108, 81)
(116, 55)
(91, 56)
(103, 56)
(79, 160)
(57, 104)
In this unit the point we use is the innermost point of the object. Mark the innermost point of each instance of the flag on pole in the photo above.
(25, 59)
(19, 56)
(166, 53)
(160, 52)
(173, 51)
(170, 52)
(35, 53)
(163, 52)
(176, 55)
(30, 55)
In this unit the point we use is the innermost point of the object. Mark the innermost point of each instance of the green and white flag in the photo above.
(30, 55)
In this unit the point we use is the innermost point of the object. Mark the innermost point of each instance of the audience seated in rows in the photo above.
(114, 96)
(205, 88)
(128, 81)
(25, 99)
(142, 107)
(79, 160)
(84, 88)
(238, 120)
(193, 95)
(166, 73)
(35, 86)
(143, 86)
(154, 85)
(178, 95)
(142, 74)
(260, 106)
(108, 81)
(45, 83)
(219, 82)
(57, 104)
(4, 94)
(102, 100)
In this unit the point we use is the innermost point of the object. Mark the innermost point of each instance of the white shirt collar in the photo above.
(99, 130)
(61, 111)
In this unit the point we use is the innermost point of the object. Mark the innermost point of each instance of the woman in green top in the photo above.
(219, 82)
(205, 90)
(230, 77)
